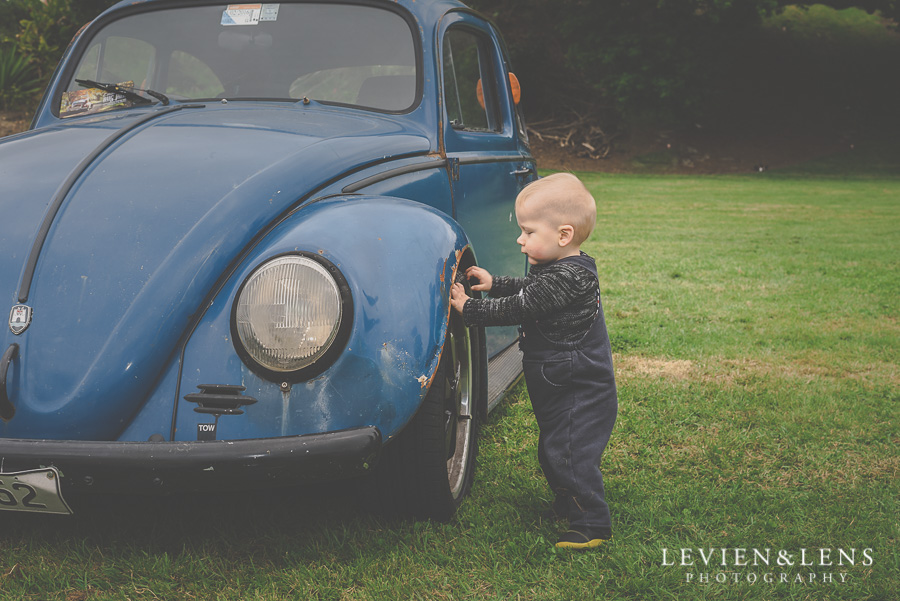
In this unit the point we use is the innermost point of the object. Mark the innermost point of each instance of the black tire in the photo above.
(428, 469)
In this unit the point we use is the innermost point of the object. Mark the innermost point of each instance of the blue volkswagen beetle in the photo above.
(228, 242)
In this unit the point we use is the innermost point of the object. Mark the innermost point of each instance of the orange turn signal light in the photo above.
(514, 87)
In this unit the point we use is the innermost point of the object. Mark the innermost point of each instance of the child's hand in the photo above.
(458, 297)
(485, 279)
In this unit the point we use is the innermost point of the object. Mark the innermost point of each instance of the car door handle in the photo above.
(521, 171)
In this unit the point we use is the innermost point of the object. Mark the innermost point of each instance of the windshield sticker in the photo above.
(269, 12)
(241, 14)
(93, 100)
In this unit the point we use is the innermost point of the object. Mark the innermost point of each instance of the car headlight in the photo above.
(289, 313)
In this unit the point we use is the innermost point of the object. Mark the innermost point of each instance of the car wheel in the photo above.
(429, 468)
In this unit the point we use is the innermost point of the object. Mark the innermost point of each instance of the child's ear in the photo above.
(566, 234)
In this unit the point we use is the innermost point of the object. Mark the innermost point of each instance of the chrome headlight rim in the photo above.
(338, 343)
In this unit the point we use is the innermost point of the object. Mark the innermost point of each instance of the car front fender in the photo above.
(399, 258)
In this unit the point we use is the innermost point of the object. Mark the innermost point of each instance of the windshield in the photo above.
(338, 53)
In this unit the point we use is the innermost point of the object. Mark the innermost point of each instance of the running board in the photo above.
(504, 371)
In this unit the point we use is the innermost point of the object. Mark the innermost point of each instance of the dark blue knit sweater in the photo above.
(560, 297)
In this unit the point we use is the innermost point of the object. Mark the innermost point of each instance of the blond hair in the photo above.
(562, 199)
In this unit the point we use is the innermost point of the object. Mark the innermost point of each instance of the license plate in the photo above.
(36, 491)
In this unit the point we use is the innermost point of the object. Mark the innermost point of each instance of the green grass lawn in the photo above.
(754, 322)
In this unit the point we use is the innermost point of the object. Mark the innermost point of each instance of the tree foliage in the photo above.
(41, 29)
(656, 60)
(653, 60)
(18, 80)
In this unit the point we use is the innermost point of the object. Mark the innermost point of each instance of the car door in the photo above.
(486, 148)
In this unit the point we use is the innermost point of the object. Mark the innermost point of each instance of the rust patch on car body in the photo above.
(425, 382)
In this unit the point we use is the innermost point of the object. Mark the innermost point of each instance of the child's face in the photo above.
(542, 241)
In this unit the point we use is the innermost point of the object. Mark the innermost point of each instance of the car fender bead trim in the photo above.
(386, 175)
(453, 162)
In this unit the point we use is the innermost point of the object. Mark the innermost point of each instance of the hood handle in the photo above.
(7, 409)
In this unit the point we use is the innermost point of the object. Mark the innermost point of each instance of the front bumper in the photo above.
(164, 467)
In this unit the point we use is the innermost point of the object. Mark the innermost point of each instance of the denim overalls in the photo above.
(573, 393)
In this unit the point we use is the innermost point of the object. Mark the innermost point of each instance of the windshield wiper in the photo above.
(128, 93)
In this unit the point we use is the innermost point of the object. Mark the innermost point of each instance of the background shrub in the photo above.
(656, 61)
(40, 30)
(19, 84)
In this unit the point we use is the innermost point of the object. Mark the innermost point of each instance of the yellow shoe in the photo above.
(573, 539)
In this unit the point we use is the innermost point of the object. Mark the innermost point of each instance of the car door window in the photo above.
(469, 82)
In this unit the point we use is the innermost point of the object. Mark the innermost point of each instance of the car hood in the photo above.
(143, 236)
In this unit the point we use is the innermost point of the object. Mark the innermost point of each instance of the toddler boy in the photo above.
(566, 355)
